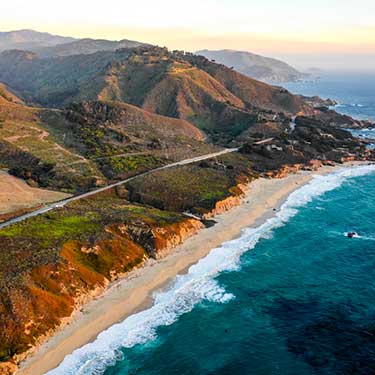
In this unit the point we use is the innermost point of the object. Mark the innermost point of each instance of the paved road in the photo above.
(93, 192)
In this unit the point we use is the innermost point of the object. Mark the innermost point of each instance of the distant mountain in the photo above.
(85, 47)
(30, 39)
(255, 66)
(48, 45)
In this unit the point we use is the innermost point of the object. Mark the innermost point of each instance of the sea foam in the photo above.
(197, 285)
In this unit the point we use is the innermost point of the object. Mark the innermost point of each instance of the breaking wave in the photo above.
(353, 105)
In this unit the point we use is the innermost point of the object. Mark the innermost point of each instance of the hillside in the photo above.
(29, 39)
(56, 261)
(89, 144)
(218, 100)
(123, 140)
(30, 151)
(255, 66)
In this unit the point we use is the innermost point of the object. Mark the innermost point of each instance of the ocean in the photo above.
(292, 296)
(354, 92)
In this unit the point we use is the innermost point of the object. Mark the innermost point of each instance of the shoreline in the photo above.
(133, 293)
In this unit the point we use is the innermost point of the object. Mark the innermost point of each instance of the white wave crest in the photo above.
(197, 285)
(344, 105)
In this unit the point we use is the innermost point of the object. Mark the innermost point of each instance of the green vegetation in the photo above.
(50, 260)
(111, 208)
(136, 163)
(193, 187)
(54, 227)
(29, 151)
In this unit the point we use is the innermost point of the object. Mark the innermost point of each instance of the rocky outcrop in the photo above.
(223, 206)
(228, 203)
(318, 102)
(332, 118)
(308, 145)
(284, 171)
(158, 241)
(8, 368)
(313, 165)
(141, 233)
(165, 239)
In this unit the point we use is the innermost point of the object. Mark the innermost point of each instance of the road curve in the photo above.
(93, 192)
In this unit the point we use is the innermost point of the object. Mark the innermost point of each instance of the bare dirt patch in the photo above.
(16, 195)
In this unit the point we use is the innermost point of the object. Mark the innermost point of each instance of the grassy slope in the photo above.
(55, 257)
(124, 140)
(27, 145)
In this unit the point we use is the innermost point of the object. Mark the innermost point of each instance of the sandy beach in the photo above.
(134, 292)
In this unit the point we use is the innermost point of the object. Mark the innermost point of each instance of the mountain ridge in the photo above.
(49, 45)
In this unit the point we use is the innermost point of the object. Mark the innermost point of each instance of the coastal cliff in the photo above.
(45, 297)
(48, 294)
(238, 193)
(70, 255)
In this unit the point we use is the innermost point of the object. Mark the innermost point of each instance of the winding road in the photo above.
(93, 192)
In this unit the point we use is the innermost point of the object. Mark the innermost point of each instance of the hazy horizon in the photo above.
(325, 34)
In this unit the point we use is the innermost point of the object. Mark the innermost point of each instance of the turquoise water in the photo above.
(294, 296)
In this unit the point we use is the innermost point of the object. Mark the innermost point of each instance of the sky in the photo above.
(328, 34)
